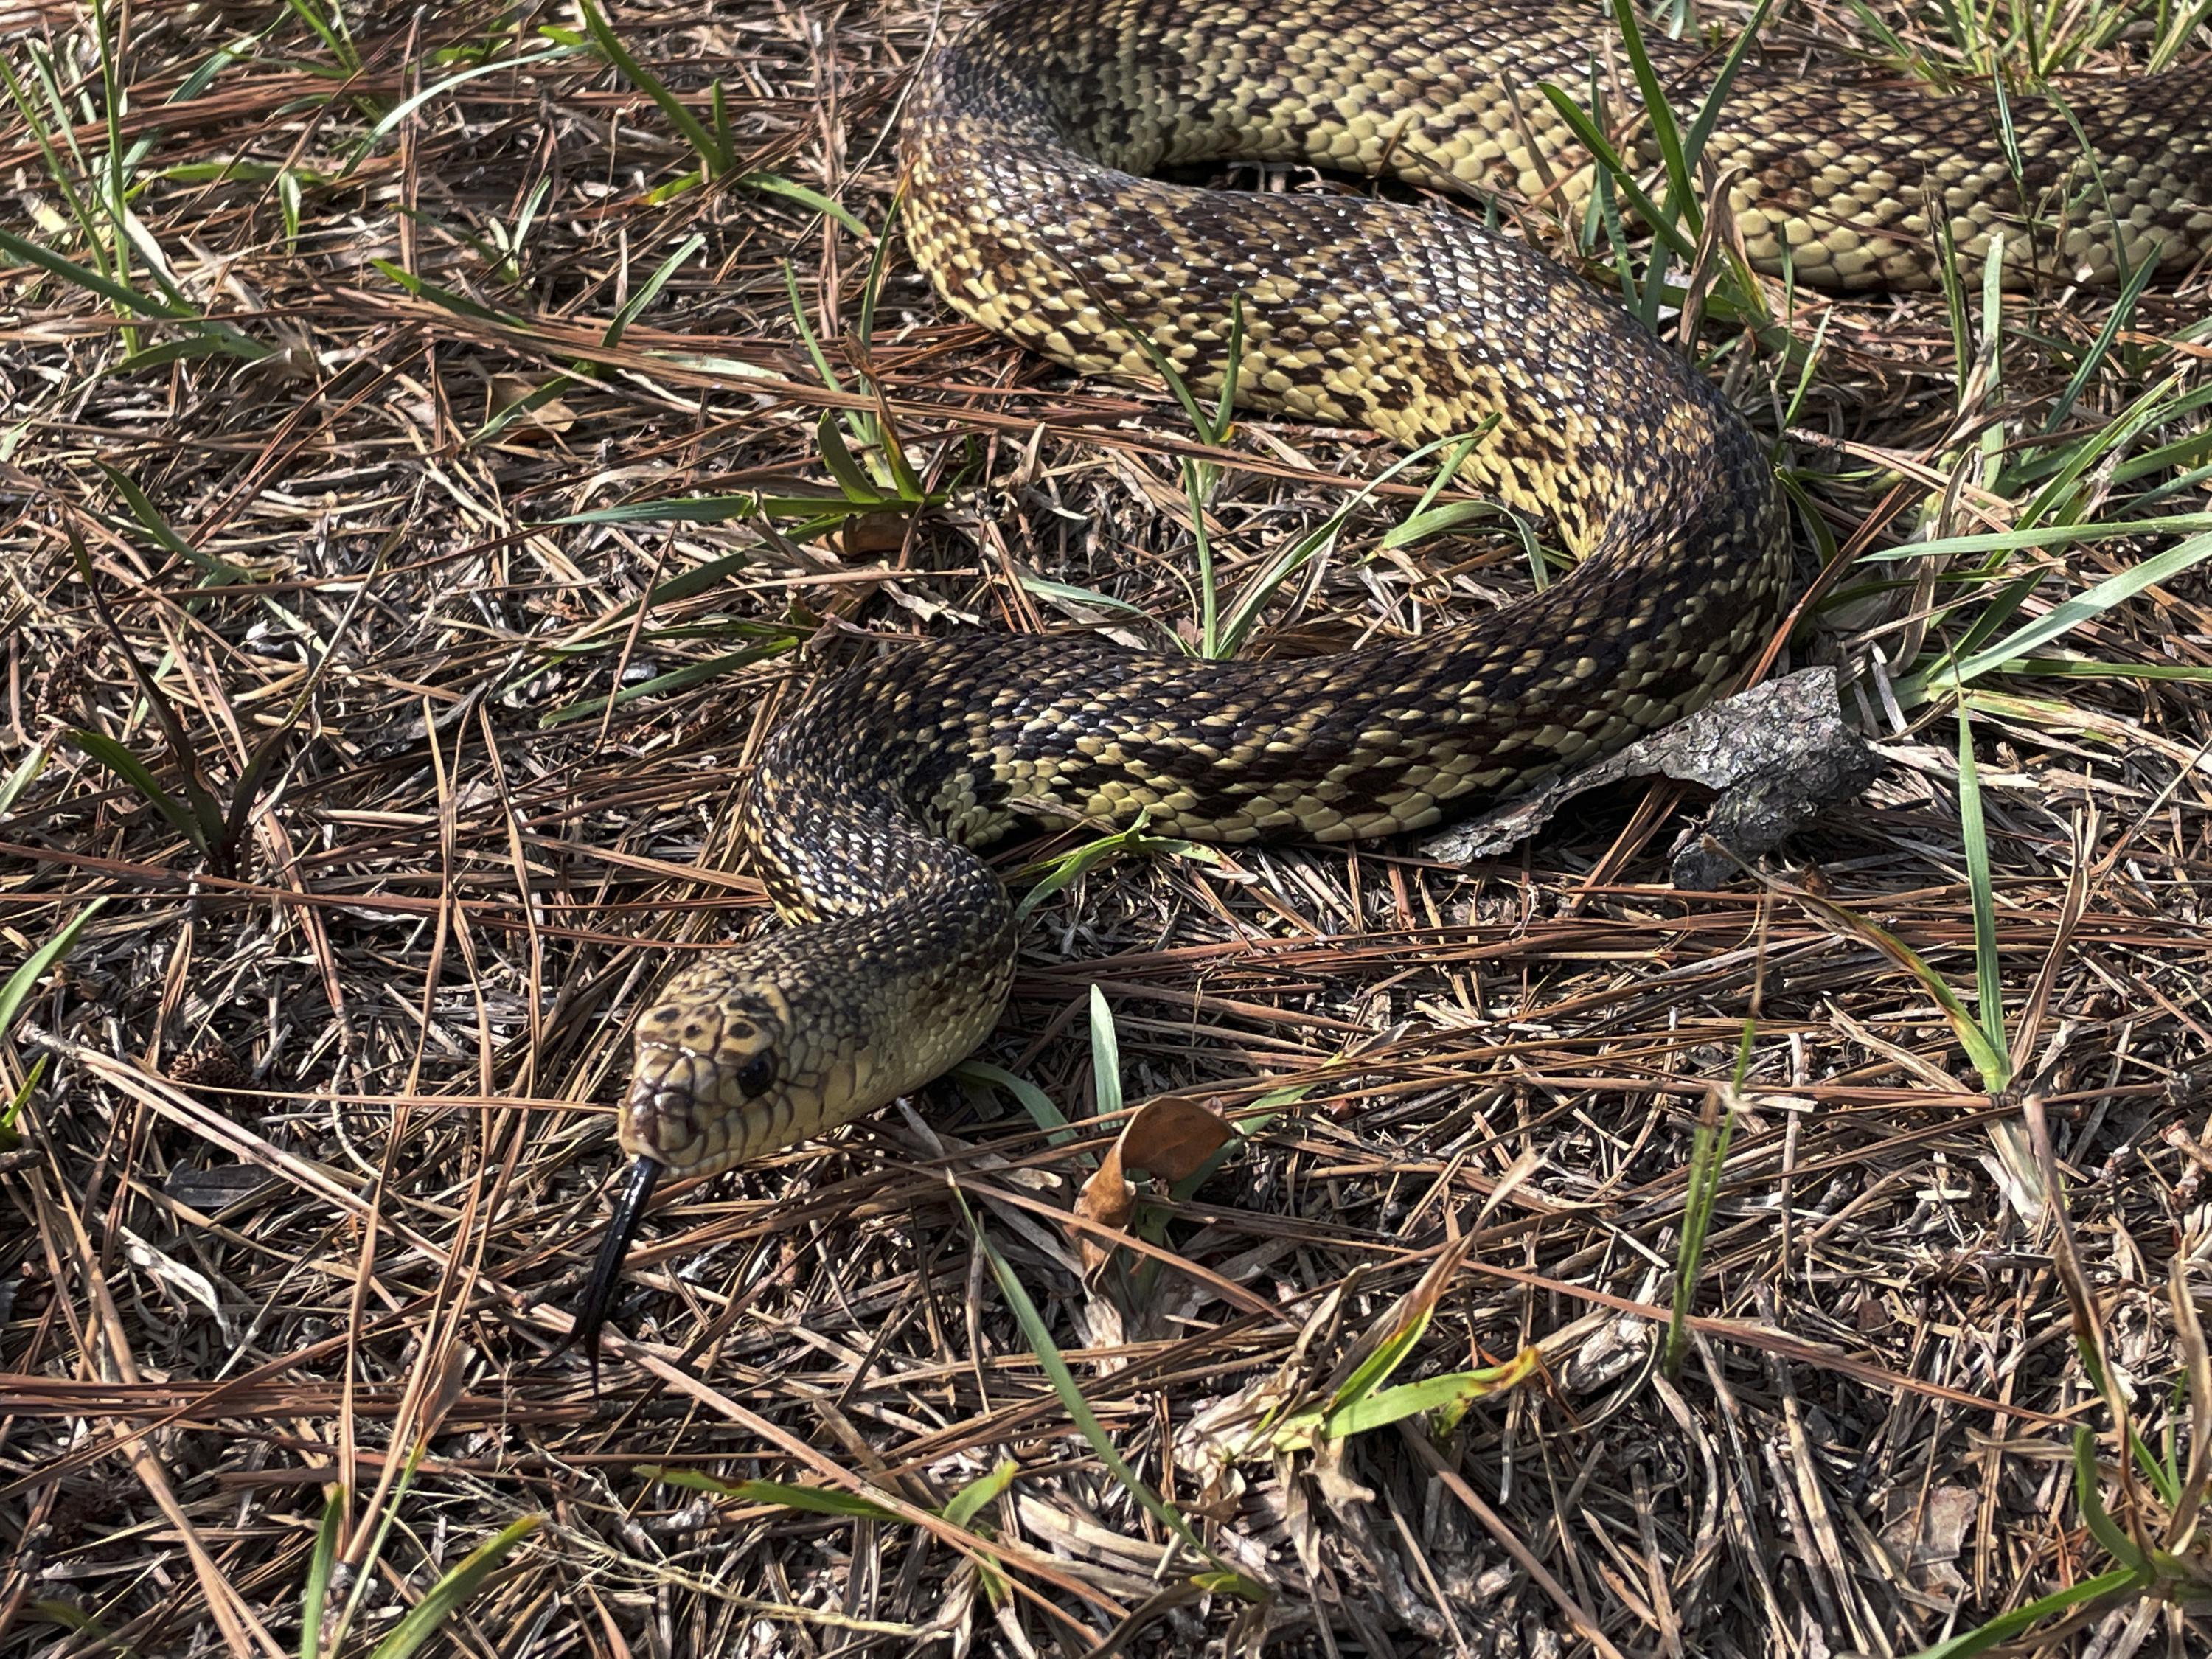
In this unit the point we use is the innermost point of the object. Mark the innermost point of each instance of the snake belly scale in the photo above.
(1025, 149)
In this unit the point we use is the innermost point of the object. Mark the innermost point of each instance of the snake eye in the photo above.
(757, 1074)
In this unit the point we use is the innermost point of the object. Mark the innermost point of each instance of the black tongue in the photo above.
(606, 1272)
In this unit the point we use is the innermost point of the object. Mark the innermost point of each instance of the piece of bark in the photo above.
(1778, 755)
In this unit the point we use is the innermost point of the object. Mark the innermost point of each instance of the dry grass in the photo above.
(320, 1140)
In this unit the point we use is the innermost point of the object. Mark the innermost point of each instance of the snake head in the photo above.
(718, 1078)
(768, 1043)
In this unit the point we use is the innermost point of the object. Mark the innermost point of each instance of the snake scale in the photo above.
(1026, 147)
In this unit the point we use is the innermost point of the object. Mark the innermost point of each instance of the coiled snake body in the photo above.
(1025, 147)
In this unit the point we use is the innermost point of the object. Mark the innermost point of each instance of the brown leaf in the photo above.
(508, 390)
(1108, 1199)
(1926, 1537)
(1172, 1137)
(872, 533)
(1169, 1139)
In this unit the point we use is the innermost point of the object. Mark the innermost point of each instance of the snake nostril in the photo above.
(658, 1122)
(660, 1116)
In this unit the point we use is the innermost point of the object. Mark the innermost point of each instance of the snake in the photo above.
(1030, 149)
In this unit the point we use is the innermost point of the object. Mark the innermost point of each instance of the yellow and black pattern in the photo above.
(1024, 147)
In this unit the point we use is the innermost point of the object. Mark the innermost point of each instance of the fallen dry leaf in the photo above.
(552, 416)
(868, 535)
(1168, 1139)
(1926, 1538)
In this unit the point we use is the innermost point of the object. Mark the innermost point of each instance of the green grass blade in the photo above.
(2177, 36)
(871, 284)
(812, 1500)
(698, 579)
(979, 1494)
(2105, 1530)
(149, 518)
(703, 143)
(459, 304)
(392, 117)
(1376, 1369)
(1032, 1099)
(843, 465)
(2011, 1626)
(726, 136)
(190, 348)
(1054, 874)
(1708, 1150)
(334, 42)
(523, 407)
(1105, 1057)
(1437, 521)
(816, 513)
(2075, 668)
(456, 1587)
(1805, 373)
(2059, 500)
(288, 202)
(1964, 1025)
(771, 183)
(2064, 618)
(1225, 408)
(676, 679)
(20, 983)
(1974, 830)
(1078, 1409)
(1709, 115)
(134, 772)
(126, 298)
(649, 290)
(1070, 593)
(1427, 519)
(1451, 1394)
(2122, 314)
(1195, 491)
(25, 775)
(1997, 611)
(1618, 170)
(28, 107)
(1253, 599)
(1664, 132)
(820, 358)
(2051, 535)
(12, 1112)
(314, 1603)
(1955, 307)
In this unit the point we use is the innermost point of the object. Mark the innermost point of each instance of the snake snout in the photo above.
(662, 1117)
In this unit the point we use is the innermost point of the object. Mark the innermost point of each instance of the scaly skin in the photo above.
(1023, 207)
